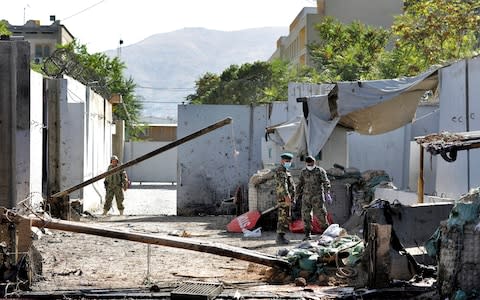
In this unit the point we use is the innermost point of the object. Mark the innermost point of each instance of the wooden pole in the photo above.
(420, 177)
(176, 242)
(146, 156)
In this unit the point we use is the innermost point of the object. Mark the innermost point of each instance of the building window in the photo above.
(46, 51)
(42, 51)
(38, 51)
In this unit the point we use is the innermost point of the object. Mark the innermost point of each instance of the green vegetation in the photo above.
(256, 83)
(429, 32)
(432, 32)
(347, 51)
(4, 28)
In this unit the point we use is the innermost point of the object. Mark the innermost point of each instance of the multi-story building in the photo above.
(43, 38)
(293, 48)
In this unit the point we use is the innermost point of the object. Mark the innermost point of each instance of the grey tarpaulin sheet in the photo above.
(291, 135)
(379, 106)
(367, 107)
(298, 137)
(319, 127)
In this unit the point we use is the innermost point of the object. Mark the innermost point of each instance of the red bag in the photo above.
(247, 221)
(297, 225)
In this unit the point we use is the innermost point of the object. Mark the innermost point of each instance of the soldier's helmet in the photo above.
(114, 157)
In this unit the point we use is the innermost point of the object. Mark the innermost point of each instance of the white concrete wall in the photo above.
(36, 138)
(407, 198)
(335, 150)
(297, 90)
(380, 152)
(426, 122)
(86, 135)
(452, 178)
(212, 166)
(278, 113)
(72, 135)
(98, 148)
(160, 168)
(474, 118)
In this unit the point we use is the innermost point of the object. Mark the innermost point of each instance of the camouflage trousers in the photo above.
(283, 220)
(317, 205)
(116, 191)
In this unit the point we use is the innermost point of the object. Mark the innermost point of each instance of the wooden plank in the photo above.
(379, 251)
(421, 182)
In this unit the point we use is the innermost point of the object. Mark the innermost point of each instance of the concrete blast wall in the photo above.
(14, 122)
(79, 139)
(211, 167)
(160, 168)
(459, 112)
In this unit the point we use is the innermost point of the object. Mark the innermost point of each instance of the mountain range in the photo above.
(165, 66)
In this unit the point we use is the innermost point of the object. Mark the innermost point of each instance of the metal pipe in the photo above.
(146, 156)
(420, 177)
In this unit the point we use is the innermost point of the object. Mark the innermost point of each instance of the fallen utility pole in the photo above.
(145, 156)
(176, 242)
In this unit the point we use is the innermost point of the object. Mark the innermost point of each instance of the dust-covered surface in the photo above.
(80, 262)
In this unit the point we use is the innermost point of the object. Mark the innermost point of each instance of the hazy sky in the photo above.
(100, 24)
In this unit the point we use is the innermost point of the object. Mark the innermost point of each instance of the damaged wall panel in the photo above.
(211, 167)
(452, 178)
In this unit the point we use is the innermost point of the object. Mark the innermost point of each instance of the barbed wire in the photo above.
(64, 62)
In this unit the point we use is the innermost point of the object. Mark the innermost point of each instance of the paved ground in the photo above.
(148, 199)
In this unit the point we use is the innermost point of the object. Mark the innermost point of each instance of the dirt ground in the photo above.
(74, 261)
(79, 261)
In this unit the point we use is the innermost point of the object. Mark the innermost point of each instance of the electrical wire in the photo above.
(84, 10)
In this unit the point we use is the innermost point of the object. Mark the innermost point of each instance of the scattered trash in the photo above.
(76, 272)
(332, 232)
(254, 233)
(300, 281)
(247, 220)
(180, 233)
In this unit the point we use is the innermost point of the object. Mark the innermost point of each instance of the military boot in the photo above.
(105, 212)
(281, 240)
(121, 212)
(307, 236)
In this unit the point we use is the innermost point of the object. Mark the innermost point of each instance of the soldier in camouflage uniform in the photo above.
(115, 184)
(285, 192)
(312, 186)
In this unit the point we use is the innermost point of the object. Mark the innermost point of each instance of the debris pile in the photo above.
(456, 245)
(331, 258)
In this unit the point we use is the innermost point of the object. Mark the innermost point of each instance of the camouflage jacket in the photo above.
(116, 179)
(284, 184)
(313, 182)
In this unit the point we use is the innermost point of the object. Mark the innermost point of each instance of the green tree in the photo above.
(346, 51)
(105, 75)
(4, 28)
(282, 75)
(250, 83)
(431, 32)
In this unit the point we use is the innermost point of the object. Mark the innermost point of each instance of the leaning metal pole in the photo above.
(175, 242)
(145, 156)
